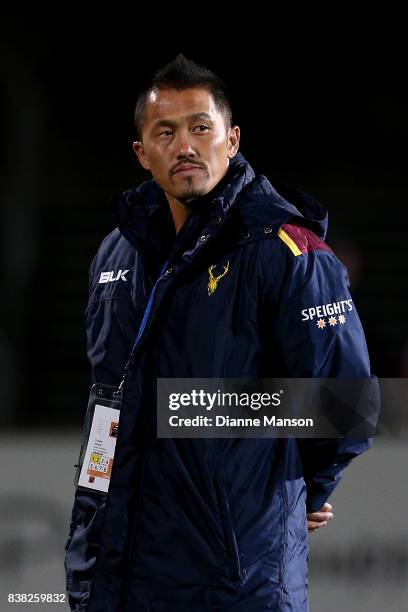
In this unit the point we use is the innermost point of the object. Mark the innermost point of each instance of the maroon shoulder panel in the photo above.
(305, 239)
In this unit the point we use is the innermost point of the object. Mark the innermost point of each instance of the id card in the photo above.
(98, 445)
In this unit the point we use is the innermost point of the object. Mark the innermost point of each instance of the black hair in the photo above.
(182, 73)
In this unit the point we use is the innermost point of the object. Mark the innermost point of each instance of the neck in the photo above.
(179, 212)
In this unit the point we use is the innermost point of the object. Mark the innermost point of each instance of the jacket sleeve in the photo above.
(318, 334)
(83, 538)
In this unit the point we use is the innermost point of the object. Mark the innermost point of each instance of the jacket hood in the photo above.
(144, 216)
(275, 204)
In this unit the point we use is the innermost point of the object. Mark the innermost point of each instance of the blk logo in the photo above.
(109, 277)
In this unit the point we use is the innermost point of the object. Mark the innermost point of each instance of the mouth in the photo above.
(186, 169)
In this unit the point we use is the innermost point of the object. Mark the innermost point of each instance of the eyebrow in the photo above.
(169, 123)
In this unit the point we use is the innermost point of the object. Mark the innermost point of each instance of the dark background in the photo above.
(325, 116)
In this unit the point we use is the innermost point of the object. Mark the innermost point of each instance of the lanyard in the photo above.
(143, 323)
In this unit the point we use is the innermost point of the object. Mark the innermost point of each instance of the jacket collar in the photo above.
(144, 216)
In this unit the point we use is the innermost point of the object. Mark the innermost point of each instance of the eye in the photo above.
(166, 133)
(201, 128)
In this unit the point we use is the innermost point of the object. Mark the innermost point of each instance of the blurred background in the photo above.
(324, 113)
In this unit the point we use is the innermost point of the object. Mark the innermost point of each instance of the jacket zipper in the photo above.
(136, 345)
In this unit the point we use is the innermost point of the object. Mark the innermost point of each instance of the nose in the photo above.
(184, 146)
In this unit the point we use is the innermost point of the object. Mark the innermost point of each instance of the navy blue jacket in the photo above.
(200, 524)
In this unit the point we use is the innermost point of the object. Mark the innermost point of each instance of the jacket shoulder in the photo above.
(114, 240)
(297, 255)
(301, 240)
(114, 250)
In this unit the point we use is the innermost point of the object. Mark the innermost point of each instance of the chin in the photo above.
(192, 195)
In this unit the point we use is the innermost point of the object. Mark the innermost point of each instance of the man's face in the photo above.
(186, 144)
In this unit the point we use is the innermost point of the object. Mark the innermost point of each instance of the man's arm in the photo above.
(318, 334)
(82, 542)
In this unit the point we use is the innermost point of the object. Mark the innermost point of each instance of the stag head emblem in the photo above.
(213, 283)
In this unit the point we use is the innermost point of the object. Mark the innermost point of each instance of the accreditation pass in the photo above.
(98, 460)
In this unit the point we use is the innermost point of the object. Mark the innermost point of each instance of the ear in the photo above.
(141, 155)
(233, 141)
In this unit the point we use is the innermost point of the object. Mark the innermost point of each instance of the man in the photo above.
(211, 267)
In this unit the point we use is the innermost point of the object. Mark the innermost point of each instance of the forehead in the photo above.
(172, 104)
